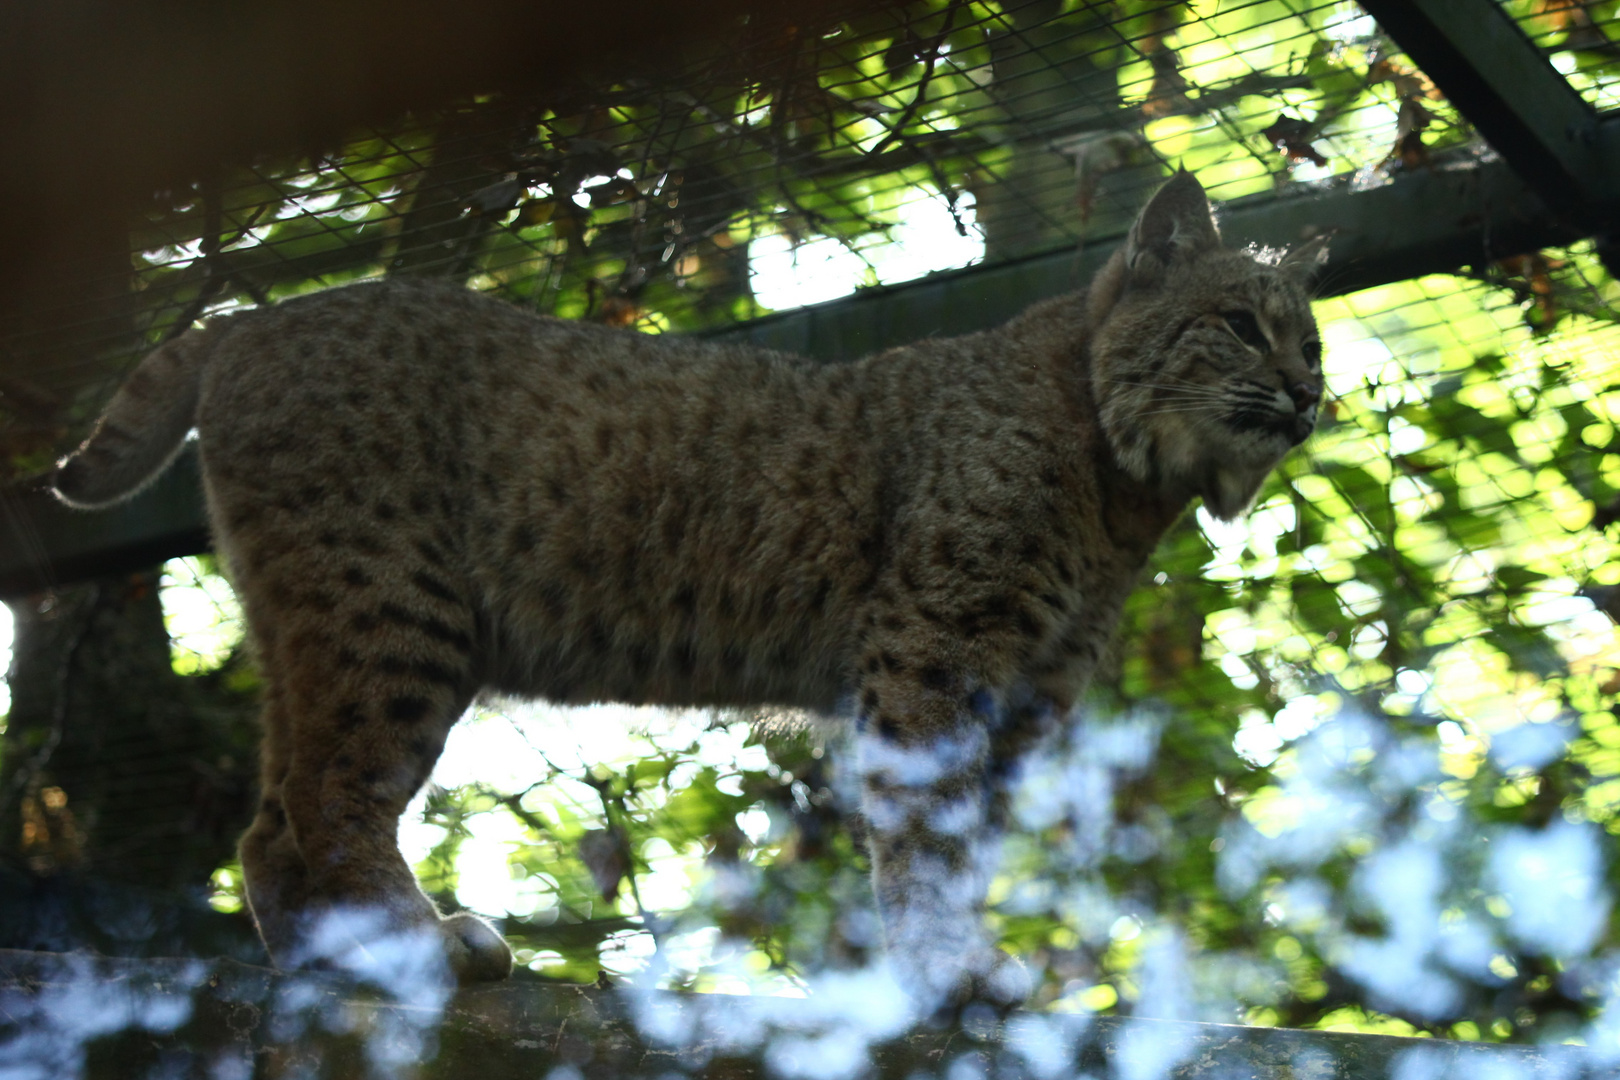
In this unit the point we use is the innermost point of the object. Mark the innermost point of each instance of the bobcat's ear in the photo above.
(1175, 225)
(1304, 261)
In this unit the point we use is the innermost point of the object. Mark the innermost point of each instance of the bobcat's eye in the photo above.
(1312, 351)
(1247, 328)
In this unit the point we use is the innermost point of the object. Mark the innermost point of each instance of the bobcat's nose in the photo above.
(1305, 394)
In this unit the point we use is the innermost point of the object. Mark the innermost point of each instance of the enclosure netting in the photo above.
(1356, 761)
(1579, 39)
(652, 201)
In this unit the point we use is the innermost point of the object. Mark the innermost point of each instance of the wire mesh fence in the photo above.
(1579, 37)
(700, 196)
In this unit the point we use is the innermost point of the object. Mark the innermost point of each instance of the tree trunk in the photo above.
(115, 769)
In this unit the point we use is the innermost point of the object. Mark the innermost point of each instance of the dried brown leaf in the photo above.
(1294, 137)
(1571, 18)
(619, 311)
(1408, 82)
(1530, 277)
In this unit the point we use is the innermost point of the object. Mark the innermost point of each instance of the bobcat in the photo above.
(423, 493)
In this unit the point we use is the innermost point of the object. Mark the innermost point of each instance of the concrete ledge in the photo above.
(79, 1015)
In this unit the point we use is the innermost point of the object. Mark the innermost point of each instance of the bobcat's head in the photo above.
(1206, 364)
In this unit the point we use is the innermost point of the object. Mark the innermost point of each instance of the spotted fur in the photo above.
(422, 494)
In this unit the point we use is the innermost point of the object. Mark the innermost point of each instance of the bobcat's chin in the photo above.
(1235, 473)
(1228, 493)
(1195, 457)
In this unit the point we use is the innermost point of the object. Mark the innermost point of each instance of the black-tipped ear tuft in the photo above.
(1305, 261)
(1175, 225)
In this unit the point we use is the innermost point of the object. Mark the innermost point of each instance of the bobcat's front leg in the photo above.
(924, 756)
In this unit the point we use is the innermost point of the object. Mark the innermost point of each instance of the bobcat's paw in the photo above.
(1000, 981)
(475, 949)
(401, 951)
(986, 976)
(370, 941)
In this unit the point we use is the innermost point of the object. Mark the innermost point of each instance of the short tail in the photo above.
(144, 426)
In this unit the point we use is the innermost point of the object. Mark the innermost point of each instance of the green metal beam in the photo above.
(43, 543)
(1428, 222)
(1486, 66)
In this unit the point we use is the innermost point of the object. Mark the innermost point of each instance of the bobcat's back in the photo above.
(624, 517)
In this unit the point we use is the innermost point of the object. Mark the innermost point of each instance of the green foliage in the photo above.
(633, 202)
(201, 614)
(1579, 38)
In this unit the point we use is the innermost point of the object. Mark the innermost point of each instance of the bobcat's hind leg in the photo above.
(349, 740)
(925, 760)
(277, 880)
